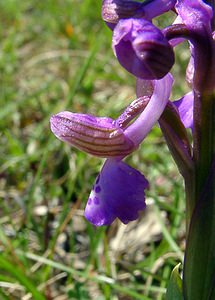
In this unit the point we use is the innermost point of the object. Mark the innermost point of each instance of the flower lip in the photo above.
(118, 193)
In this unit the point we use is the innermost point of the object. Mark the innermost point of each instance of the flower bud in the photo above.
(98, 136)
(142, 49)
(114, 10)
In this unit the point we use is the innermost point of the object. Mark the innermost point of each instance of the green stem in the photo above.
(203, 148)
(189, 183)
(199, 265)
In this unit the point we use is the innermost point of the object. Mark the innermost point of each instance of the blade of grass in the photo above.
(167, 235)
(17, 103)
(21, 278)
(84, 275)
(4, 296)
(35, 183)
(81, 74)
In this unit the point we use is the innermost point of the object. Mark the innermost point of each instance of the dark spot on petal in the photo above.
(96, 200)
(89, 202)
(98, 189)
(97, 179)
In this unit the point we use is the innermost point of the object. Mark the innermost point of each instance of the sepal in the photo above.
(142, 49)
(100, 136)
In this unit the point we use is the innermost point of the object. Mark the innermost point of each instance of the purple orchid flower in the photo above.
(142, 49)
(119, 189)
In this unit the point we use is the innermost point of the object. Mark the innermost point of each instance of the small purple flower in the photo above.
(142, 49)
(118, 193)
(119, 189)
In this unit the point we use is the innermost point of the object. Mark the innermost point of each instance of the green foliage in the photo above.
(56, 55)
(174, 288)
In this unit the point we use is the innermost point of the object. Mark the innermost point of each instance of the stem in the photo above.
(204, 139)
(190, 193)
(199, 265)
(203, 85)
(204, 151)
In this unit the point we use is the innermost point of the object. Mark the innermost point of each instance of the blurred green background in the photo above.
(56, 55)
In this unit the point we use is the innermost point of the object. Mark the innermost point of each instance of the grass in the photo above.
(56, 55)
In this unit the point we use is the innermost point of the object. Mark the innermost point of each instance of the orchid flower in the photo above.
(118, 191)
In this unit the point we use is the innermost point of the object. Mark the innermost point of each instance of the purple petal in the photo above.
(98, 136)
(144, 87)
(155, 8)
(132, 110)
(114, 10)
(138, 130)
(118, 193)
(142, 49)
(185, 109)
(176, 41)
(195, 14)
